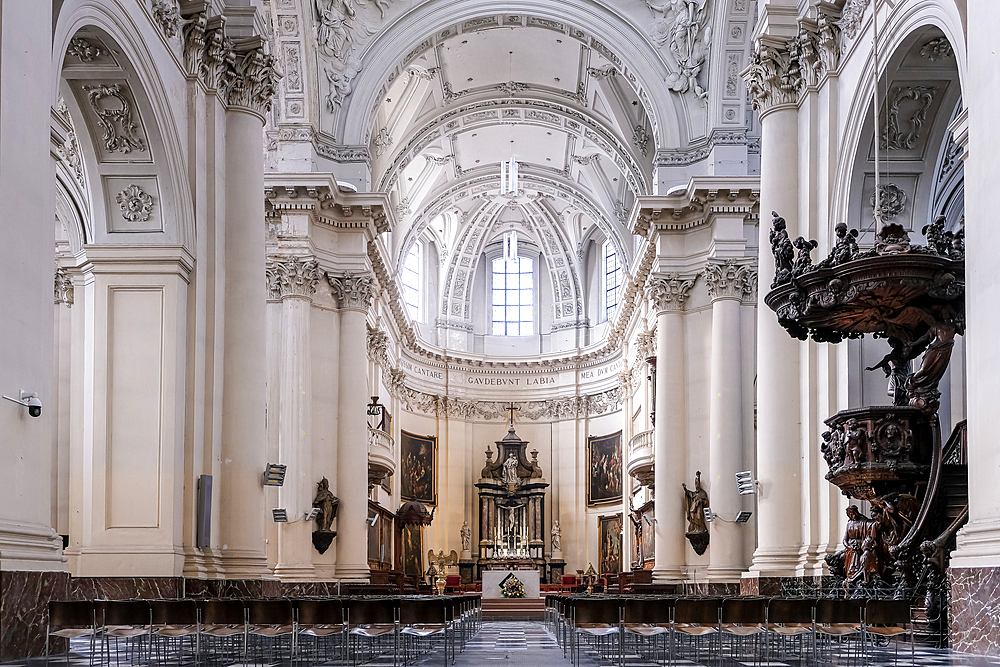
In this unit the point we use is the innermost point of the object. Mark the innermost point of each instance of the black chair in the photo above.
(788, 619)
(369, 621)
(888, 619)
(321, 623)
(744, 619)
(600, 619)
(269, 623)
(73, 620)
(423, 618)
(174, 621)
(130, 620)
(839, 622)
(696, 618)
(223, 629)
(648, 619)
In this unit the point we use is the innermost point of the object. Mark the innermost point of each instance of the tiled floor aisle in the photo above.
(512, 643)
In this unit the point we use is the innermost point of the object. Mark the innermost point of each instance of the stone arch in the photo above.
(127, 61)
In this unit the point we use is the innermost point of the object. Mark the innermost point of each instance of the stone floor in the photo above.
(516, 643)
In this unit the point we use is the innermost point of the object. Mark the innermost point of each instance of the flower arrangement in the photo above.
(512, 587)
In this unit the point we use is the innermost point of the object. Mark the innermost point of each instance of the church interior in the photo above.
(418, 330)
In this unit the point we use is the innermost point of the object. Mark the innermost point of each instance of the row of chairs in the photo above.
(343, 630)
(761, 629)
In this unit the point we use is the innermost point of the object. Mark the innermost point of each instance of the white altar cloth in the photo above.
(492, 579)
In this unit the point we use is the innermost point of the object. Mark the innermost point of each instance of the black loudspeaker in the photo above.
(204, 509)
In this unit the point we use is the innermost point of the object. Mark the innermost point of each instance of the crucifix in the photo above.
(511, 411)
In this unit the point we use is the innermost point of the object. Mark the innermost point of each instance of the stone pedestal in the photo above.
(557, 568)
(467, 568)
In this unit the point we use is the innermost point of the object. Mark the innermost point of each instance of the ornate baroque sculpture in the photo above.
(327, 504)
(696, 501)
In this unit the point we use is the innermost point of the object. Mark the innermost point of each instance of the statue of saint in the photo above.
(860, 548)
(325, 501)
(556, 535)
(697, 501)
(466, 537)
(510, 470)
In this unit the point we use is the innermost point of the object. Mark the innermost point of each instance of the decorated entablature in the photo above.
(891, 456)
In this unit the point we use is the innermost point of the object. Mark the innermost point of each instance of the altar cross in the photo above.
(511, 410)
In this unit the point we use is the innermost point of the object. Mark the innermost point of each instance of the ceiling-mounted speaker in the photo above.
(204, 510)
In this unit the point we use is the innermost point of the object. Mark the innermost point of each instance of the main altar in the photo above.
(511, 509)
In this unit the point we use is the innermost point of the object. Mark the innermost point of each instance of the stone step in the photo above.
(514, 608)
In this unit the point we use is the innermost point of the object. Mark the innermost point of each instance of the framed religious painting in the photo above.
(418, 467)
(609, 531)
(604, 469)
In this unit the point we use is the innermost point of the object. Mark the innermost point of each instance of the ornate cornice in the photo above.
(291, 276)
(352, 292)
(730, 280)
(668, 293)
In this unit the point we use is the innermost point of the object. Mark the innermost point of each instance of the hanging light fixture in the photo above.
(508, 177)
(510, 246)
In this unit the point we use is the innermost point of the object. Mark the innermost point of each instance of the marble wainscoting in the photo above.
(125, 588)
(777, 586)
(711, 588)
(24, 598)
(974, 613)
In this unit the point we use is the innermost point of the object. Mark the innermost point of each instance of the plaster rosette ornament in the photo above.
(136, 204)
(890, 456)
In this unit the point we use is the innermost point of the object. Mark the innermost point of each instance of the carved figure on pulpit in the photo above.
(510, 477)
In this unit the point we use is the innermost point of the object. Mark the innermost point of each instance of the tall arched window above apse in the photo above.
(612, 280)
(513, 292)
(413, 275)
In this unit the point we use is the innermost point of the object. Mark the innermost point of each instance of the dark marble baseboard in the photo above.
(777, 586)
(974, 612)
(24, 599)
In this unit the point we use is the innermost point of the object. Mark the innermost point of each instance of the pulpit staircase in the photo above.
(930, 625)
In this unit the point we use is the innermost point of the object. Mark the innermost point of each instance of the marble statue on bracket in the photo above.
(510, 477)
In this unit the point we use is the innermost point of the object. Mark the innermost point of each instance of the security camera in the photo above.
(28, 399)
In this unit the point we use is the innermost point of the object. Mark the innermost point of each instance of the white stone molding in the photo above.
(730, 280)
(352, 292)
(168, 16)
(291, 276)
(136, 204)
(669, 292)
(115, 120)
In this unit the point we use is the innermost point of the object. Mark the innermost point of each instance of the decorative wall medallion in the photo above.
(937, 49)
(903, 134)
(166, 13)
(82, 49)
(891, 201)
(641, 139)
(136, 204)
(114, 117)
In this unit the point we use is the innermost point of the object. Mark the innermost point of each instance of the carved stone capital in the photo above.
(669, 292)
(730, 280)
(291, 276)
(252, 81)
(63, 287)
(194, 43)
(352, 292)
(378, 347)
(773, 77)
(218, 61)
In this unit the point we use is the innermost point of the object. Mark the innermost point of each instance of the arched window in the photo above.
(612, 280)
(411, 279)
(513, 297)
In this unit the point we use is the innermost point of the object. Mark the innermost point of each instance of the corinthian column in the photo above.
(354, 294)
(728, 284)
(293, 281)
(668, 294)
(241, 510)
(773, 85)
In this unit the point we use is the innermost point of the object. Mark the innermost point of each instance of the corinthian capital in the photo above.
(773, 76)
(291, 276)
(669, 292)
(352, 292)
(252, 81)
(730, 280)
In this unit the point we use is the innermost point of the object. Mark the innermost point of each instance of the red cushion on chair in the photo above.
(453, 580)
(569, 580)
